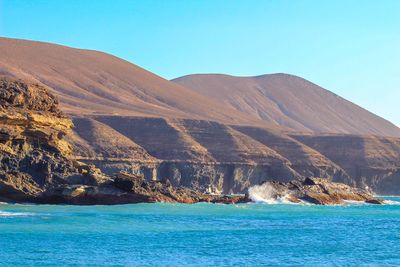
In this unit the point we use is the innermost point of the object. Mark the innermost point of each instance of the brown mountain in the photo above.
(91, 82)
(227, 137)
(289, 101)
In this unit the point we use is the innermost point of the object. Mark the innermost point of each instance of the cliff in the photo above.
(36, 163)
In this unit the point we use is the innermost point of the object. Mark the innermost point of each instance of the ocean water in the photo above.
(200, 235)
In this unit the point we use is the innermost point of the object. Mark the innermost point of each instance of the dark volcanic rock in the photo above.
(163, 191)
(33, 154)
(18, 94)
(313, 190)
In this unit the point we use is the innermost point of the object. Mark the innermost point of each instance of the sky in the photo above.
(351, 47)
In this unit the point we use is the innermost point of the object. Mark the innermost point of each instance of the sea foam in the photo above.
(265, 194)
(14, 214)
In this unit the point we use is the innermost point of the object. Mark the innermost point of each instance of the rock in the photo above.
(127, 182)
(375, 201)
(33, 154)
(16, 93)
(163, 191)
(313, 190)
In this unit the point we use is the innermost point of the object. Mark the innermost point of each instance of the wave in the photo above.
(354, 203)
(15, 214)
(265, 194)
(392, 202)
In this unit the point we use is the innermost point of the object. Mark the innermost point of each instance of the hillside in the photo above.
(91, 82)
(289, 101)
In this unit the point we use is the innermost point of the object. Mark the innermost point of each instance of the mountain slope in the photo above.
(289, 101)
(371, 161)
(91, 82)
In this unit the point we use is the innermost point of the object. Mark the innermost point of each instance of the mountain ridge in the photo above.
(290, 101)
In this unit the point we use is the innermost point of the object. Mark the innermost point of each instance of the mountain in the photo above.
(289, 101)
(203, 131)
(91, 82)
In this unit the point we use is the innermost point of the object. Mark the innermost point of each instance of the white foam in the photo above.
(14, 214)
(392, 202)
(265, 194)
(355, 202)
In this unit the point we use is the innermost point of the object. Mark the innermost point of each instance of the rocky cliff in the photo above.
(36, 163)
(199, 154)
(369, 161)
(32, 149)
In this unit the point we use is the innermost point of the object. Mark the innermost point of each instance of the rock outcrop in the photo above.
(312, 190)
(32, 149)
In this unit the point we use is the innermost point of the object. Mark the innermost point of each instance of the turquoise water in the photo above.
(200, 235)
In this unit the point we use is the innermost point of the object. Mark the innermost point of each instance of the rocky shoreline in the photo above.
(37, 164)
(317, 191)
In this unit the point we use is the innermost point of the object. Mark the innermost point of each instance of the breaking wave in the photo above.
(265, 194)
(392, 202)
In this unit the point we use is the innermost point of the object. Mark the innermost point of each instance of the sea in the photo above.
(254, 234)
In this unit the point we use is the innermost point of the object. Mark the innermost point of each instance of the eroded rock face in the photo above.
(36, 164)
(312, 190)
(19, 94)
(163, 191)
(33, 153)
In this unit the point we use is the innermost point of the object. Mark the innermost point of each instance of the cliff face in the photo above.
(371, 161)
(36, 163)
(32, 149)
(199, 154)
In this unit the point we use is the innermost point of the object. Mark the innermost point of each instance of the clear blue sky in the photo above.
(350, 47)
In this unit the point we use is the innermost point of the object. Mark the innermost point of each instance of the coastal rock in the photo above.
(312, 190)
(34, 156)
(163, 191)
